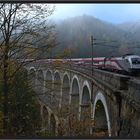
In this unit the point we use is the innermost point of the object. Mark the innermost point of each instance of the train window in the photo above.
(96, 62)
(127, 60)
(135, 60)
(100, 62)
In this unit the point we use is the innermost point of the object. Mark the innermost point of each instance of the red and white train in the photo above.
(125, 64)
(128, 64)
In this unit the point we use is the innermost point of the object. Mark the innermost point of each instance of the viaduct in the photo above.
(111, 101)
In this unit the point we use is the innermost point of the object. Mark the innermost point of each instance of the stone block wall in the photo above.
(115, 80)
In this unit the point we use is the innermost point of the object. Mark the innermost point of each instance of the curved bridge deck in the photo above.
(78, 88)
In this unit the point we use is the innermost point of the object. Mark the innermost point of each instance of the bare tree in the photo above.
(24, 31)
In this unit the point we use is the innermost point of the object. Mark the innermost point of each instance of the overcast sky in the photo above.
(114, 13)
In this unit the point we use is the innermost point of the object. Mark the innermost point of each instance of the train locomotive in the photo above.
(127, 64)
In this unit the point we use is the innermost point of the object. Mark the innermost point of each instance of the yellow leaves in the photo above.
(100, 133)
(67, 52)
(71, 125)
(58, 62)
(2, 49)
(29, 52)
(11, 63)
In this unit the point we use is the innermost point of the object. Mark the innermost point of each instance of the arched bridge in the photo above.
(111, 100)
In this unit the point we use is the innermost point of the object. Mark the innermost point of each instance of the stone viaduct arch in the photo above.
(40, 82)
(57, 88)
(50, 121)
(104, 104)
(65, 90)
(48, 81)
(45, 118)
(52, 124)
(49, 85)
(85, 107)
(79, 99)
(75, 95)
(85, 101)
(101, 113)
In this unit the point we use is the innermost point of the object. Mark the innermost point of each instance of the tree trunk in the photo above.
(5, 94)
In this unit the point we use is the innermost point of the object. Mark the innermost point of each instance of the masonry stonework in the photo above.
(118, 94)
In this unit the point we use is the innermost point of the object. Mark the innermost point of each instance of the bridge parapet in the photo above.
(118, 81)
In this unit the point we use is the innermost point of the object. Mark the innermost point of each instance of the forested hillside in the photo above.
(74, 34)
